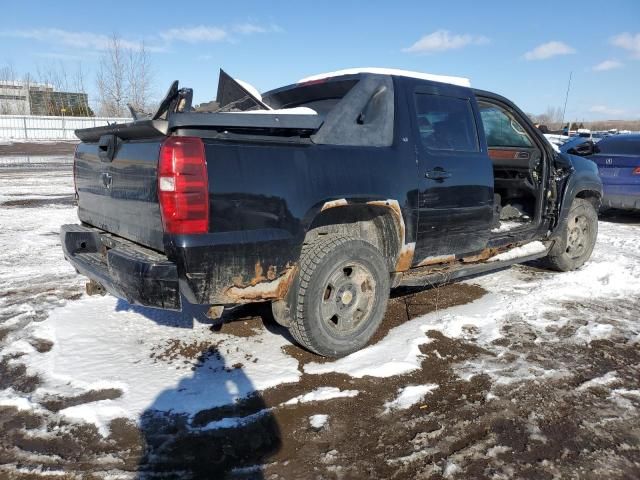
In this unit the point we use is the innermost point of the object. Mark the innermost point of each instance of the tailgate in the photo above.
(119, 194)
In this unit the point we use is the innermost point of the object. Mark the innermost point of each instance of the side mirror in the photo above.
(583, 150)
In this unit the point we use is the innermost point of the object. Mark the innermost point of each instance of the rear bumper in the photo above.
(129, 271)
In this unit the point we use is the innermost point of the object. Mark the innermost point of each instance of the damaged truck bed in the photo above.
(322, 195)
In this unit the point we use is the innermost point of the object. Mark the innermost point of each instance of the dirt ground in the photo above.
(25, 148)
(534, 430)
(573, 419)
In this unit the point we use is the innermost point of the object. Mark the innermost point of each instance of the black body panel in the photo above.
(269, 190)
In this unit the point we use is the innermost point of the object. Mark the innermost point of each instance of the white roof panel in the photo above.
(463, 82)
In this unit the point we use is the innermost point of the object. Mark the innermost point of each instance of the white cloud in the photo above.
(83, 40)
(548, 50)
(157, 43)
(251, 28)
(442, 40)
(195, 34)
(607, 65)
(605, 110)
(628, 41)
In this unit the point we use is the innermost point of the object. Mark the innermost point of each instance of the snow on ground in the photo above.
(518, 252)
(127, 360)
(105, 340)
(98, 339)
(322, 393)
(409, 396)
(318, 421)
(34, 201)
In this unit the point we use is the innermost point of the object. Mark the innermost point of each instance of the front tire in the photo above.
(577, 239)
(340, 295)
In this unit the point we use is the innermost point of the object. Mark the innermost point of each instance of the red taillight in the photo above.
(183, 188)
(636, 171)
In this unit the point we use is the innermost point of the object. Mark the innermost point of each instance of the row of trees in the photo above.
(553, 119)
(124, 75)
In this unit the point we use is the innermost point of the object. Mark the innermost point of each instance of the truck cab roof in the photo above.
(460, 81)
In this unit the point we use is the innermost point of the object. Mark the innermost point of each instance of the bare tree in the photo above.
(110, 80)
(551, 117)
(139, 78)
(124, 76)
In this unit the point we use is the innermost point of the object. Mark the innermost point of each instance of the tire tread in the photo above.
(312, 255)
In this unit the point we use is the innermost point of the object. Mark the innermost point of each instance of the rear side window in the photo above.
(619, 145)
(446, 123)
(501, 129)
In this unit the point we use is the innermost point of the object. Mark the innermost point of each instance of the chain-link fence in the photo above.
(31, 127)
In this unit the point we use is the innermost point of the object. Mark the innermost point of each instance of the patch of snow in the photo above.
(496, 450)
(409, 396)
(246, 470)
(249, 88)
(606, 379)
(556, 140)
(38, 472)
(9, 398)
(99, 413)
(450, 469)
(399, 352)
(523, 251)
(283, 111)
(464, 82)
(97, 340)
(318, 421)
(506, 226)
(234, 422)
(322, 393)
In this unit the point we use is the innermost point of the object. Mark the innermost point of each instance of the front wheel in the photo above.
(340, 295)
(577, 239)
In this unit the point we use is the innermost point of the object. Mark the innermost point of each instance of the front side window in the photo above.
(501, 128)
(446, 123)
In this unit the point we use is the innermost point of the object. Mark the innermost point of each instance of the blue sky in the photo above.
(521, 49)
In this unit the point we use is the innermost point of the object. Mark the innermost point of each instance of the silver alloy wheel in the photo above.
(577, 236)
(347, 298)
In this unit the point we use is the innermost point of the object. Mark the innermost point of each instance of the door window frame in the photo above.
(454, 91)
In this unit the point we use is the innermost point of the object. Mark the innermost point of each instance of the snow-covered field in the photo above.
(521, 373)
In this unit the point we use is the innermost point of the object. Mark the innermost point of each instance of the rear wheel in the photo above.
(340, 296)
(575, 244)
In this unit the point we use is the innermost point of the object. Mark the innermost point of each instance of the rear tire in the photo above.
(577, 239)
(340, 295)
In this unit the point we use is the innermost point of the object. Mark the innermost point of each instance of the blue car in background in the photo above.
(618, 160)
(579, 146)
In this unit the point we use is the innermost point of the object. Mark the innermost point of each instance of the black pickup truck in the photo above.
(321, 196)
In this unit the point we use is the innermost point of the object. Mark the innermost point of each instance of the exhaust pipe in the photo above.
(94, 288)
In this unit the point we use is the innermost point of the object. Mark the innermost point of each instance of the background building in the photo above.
(22, 98)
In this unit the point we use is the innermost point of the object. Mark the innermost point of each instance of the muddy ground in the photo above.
(464, 429)
(572, 425)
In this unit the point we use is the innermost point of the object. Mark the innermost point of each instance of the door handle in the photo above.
(438, 174)
(107, 179)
